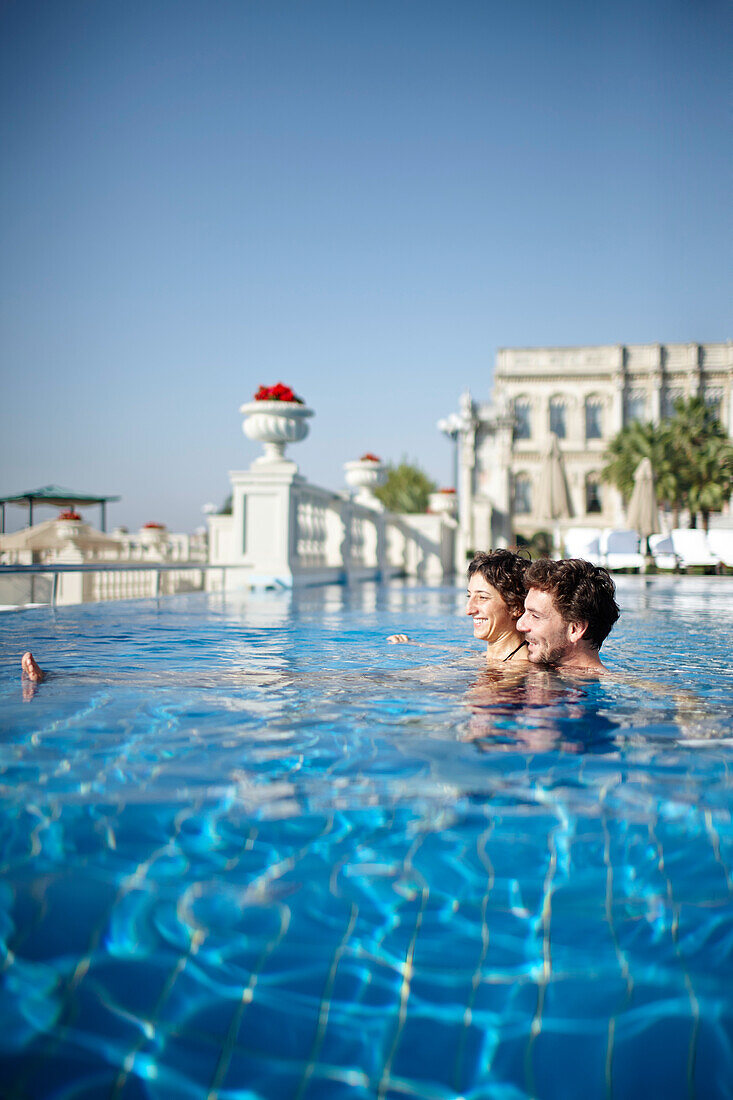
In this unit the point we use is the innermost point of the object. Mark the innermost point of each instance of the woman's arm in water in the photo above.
(405, 639)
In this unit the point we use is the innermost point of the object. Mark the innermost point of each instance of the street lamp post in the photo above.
(460, 429)
(451, 426)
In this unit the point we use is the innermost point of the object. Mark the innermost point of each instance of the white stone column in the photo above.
(500, 480)
(616, 418)
(655, 392)
(618, 379)
(575, 405)
(71, 585)
(263, 522)
(467, 464)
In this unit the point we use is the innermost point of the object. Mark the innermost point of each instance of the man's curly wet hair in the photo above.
(583, 593)
(505, 571)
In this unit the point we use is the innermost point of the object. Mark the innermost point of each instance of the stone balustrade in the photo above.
(285, 532)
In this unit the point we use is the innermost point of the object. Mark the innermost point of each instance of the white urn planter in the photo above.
(274, 424)
(365, 476)
(68, 528)
(442, 504)
(152, 536)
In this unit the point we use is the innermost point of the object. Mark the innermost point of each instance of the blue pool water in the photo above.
(251, 851)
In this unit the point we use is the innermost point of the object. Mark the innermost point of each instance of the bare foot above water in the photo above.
(31, 668)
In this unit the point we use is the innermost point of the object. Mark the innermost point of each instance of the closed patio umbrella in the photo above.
(643, 513)
(553, 496)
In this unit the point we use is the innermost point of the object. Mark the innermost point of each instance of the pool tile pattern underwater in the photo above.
(250, 851)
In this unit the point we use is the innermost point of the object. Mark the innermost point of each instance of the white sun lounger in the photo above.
(662, 550)
(720, 542)
(620, 549)
(691, 547)
(585, 543)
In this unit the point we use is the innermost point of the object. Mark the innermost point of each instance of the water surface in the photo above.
(250, 850)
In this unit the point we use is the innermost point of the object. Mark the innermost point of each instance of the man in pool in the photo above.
(569, 611)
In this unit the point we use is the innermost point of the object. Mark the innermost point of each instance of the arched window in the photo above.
(635, 406)
(522, 494)
(522, 418)
(558, 418)
(593, 498)
(669, 398)
(593, 418)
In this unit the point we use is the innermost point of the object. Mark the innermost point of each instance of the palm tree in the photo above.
(691, 455)
(704, 454)
(653, 441)
(671, 480)
(625, 452)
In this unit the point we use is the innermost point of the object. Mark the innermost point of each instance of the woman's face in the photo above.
(491, 616)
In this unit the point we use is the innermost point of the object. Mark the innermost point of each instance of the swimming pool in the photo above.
(249, 850)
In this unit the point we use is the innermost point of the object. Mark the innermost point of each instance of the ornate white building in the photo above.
(583, 396)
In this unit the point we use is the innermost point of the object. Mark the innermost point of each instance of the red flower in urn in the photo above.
(278, 392)
(69, 515)
(369, 457)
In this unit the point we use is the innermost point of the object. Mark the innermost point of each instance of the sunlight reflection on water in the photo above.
(249, 846)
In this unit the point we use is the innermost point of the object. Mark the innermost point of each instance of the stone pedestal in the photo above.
(68, 528)
(70, 585)
(263, 521)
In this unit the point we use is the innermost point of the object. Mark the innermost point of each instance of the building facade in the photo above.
(583, 396)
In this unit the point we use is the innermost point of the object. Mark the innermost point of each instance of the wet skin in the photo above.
(30, 668)
(551, 640)
(493, 622)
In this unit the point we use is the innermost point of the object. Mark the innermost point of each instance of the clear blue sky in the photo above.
(361, 198)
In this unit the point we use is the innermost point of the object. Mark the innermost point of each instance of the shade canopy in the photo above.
(553, 495)
(57, 496)
(643, 513)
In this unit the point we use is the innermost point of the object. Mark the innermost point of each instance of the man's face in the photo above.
(548, 635)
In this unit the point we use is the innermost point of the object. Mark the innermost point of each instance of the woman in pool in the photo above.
(496, 591)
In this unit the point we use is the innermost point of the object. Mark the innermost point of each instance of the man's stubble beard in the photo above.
(554, 658)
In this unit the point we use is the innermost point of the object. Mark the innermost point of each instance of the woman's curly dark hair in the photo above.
(505, 571)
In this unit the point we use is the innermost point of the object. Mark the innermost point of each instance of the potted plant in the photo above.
(275, 417)
(365, 474)
(152, 534)
(443, 503)
(69, 524)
